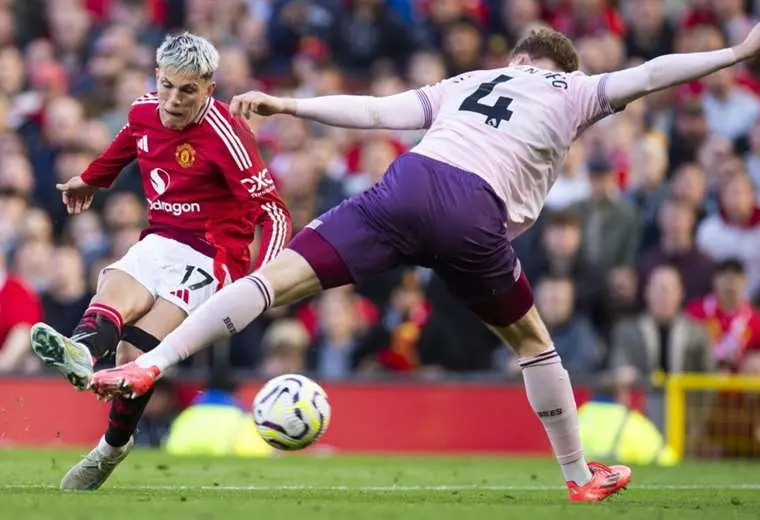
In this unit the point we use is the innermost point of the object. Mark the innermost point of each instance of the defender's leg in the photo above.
(476, 260)
(512, 316)
(345, 247)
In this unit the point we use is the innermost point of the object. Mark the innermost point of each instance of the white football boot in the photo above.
(94, 469)
(66, 355)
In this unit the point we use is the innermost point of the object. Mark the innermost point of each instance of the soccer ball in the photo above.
(291, 412)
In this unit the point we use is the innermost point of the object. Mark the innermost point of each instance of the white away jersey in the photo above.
(512, 127)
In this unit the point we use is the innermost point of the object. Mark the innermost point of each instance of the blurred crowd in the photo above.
(646, 260)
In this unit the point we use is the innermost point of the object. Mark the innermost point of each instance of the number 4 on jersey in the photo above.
(494, 114)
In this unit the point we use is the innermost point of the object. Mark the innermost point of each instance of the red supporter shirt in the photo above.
(206, 184)
(732, 335)
(19, 305)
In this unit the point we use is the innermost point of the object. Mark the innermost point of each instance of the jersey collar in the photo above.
(204, 110)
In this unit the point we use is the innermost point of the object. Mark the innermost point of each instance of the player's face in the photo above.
(181, 97)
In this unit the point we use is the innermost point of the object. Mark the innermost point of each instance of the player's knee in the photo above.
(134, 342)
(514, 318)
(319, 261)
(291, 278)
(507, 308)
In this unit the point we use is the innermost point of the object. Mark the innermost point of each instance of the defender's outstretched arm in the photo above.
(409, 110)
(666, 71)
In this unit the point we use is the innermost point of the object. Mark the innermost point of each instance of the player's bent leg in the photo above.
(137, 340)
(94, 469)
(286, 279)
(120, 299)
(513, 318)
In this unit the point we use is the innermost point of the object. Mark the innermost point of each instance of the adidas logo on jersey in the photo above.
(142, 144)
(182, 294)
(175, 208)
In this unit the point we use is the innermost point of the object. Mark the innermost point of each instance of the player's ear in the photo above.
(210, 89)
(521, 59)
(158, 74)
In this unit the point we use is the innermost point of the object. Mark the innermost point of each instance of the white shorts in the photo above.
(171, 270)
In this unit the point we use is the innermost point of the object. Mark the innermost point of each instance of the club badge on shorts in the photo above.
(185, 155)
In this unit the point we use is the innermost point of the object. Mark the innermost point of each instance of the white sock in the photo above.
(550, 393)
(225, 313)
(107, 450)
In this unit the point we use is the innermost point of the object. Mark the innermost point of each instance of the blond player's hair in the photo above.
(189, 54)
(550, 44)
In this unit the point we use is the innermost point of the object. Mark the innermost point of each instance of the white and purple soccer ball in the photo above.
(291, 412)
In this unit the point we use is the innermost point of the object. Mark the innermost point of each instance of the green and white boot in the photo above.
(67, 355)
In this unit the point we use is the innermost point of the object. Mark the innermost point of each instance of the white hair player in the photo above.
(203, 211)
(495, 140)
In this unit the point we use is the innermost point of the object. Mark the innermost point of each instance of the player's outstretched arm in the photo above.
(402, 111)
(666, 71)
(78, 192)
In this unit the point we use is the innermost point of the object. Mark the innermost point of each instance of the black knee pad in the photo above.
(145, 341)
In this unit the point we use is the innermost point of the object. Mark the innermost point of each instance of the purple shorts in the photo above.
(423, 212)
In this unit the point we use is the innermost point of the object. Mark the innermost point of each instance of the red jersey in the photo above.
(206, 184)
(19, 305)
(732, 335)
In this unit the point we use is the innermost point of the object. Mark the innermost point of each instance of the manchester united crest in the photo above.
(185, 155)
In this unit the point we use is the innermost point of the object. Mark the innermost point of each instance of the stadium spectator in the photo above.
(339, 334)
(714, 155)
(439, 15)
(647, 189)
(36, 226)
(688, 133)
(32, 261)
(661, 340)
(730, 108)
(370, 34)
(752, 156)
(559, 254)
(729, 318)
(284, 348)
(676, 247)
(733, 19)
(462, 47)
(650, 33)
(587, 18)
(19, 310)
(160, 412)
(690, 185)
(67, 296)
(574, 336)
(572, 184)
(611, 227)
(15, 191)
(86, 232)
(734, 232)
(411, 336)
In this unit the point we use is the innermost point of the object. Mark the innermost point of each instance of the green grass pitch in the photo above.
(294, 487)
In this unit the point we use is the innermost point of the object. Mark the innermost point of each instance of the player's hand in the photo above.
(77, 195)
(750, 47)
(255, 102)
